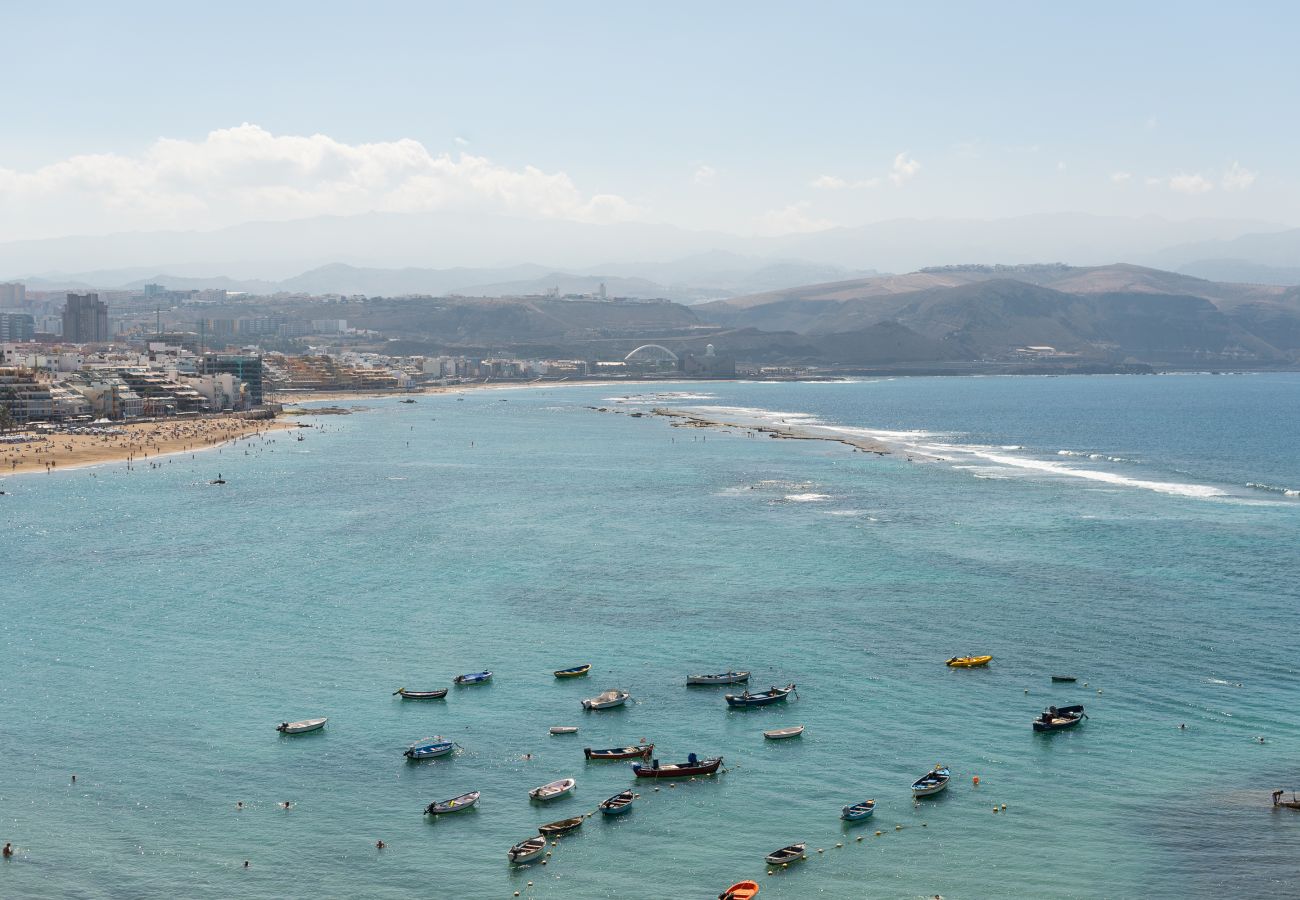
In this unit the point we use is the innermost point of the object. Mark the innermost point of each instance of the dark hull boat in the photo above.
(1058, 718)
(564, 826)
(642, 750)
(420, 695)
(1064, 679)
(692, 766)
(762, 698)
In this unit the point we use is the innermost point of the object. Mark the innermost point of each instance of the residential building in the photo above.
(13, 294)
(17, 326)
(246, 367)
(85, 319)
(24, 397)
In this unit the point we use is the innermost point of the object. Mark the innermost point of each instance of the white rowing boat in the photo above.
(302, 727)
(553, 791)
(778, 734)
(564, 729)
(607, 700)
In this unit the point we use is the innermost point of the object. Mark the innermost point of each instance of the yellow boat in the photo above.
(968, 662)
(574, 672)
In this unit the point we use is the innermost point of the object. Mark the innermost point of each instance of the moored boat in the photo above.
(607, 700)
(741, 890)
(780, 734)
(455, 804)
(420, 695)
(692, 766)
(932, 782)
(719, 678)
(786, 855)
(641, 750)
(968, 662)
(527, 851)
(554, 790)
(762, 698)
(564, 826)
(1064, 678)
(1056, 718)
(564, 729)
(428, 748)
(302, 727)
(856, 812)
(473, 678)
(574, 671)
(618, 804)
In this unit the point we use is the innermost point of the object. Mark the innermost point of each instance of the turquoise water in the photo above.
(154, 629)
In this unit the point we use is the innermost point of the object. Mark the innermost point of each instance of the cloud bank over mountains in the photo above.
(246, 173)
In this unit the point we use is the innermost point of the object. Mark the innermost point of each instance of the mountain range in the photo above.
(436, 252)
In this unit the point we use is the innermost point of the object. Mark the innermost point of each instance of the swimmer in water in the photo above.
(8, 850)
(380, 845)
(286, 804)
(239, 805)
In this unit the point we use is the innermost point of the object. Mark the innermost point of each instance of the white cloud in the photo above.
(1190, 184)
(1236, 178)
(835, 183)
(791, 220)
(246, 173)
(463, 142)
(905, 167)
(1121, 177)
(705, 174)
(1060, 165)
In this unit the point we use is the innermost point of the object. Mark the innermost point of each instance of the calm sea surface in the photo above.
(1135, 532)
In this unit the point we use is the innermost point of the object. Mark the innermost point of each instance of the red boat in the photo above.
(642, 750)
(693, 766)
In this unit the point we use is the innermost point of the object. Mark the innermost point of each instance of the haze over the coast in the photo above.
(611, 140)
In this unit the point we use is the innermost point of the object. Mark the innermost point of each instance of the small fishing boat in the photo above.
(554, 790)
(968, 662)
(692, 766)
(1056, 718)
(618, 804)
(218, 480)
(564, 729)
(741, 890)
(856, 812)
(719, 678)
(641, 750)
(574, 672)
(455, 804)
(473, 678)
(762, 698)
(932, 782)
(607, 700)
(786, 855)
(527, 851)
(420, 695)
(780, 734)
(302, 727)
(1279, 801)
(428, 748)
(1064, 678)
(564, 826)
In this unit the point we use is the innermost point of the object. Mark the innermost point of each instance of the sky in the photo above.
(748, 117)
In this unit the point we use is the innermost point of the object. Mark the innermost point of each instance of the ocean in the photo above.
(1139, 533)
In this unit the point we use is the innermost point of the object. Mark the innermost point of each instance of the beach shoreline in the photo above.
(129, 442)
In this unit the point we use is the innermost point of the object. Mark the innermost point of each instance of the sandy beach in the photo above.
(31, 451)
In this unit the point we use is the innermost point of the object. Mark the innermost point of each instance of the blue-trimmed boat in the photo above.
(931, 782)
(857, 812)
(762, 698)
(618, 804)
(473, 678)
(428, 748)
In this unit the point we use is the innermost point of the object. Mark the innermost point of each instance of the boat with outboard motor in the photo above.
(1057, 718)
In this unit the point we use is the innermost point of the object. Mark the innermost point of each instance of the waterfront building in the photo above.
(244, 366)
(85, 319)
(23, 397)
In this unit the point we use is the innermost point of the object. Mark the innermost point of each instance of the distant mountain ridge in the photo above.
(1117, 312)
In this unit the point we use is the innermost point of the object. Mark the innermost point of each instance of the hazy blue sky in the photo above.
(743, 116)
